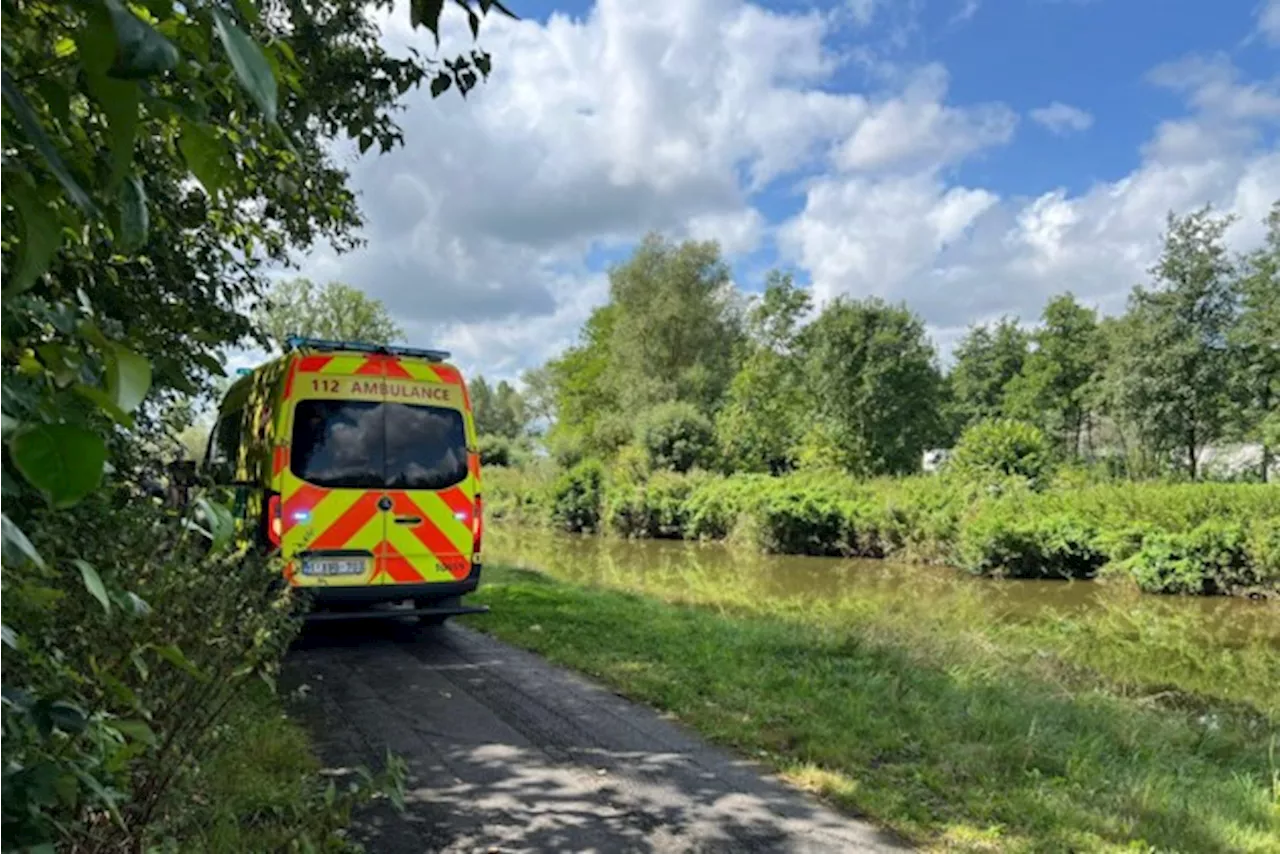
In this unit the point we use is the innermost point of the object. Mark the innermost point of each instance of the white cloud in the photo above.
(1062, 118)
(916, 128)
(959, 254)
(1269, 20)
(672, 115)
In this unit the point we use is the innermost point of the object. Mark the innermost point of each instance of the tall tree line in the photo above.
(1193, 361)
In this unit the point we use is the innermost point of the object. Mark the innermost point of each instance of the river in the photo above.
(606, 560)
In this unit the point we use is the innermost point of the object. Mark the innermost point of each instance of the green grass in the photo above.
(261, 791)
(1037, 736)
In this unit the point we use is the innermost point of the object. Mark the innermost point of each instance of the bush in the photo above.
(676, 436)
(1010, 546)
(657, 507)
(991, 451)
(496, 451)
(1212, 558)
(576, 498)
(133, 647)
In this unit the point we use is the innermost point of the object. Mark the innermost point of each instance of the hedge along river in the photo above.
(718, 572)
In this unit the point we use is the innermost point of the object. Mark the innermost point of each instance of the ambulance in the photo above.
(358, 465)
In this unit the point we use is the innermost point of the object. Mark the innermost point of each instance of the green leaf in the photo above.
(140, 664)
(107, 798)
(250, 65)
(122, 693)
(426, 13)
(175, 656)
(138, 604)
(118, 100)
(128, 377)
(68, 717)
(134, 220)
(221, 525)
(8, 637)
(440, 84)
(35, 135)
(15, 539)
(93, 583)
(486, 5)
(206, 155)
(104, 402)
(63, 461)
(140, 50)
(41, 237)
(136, 730)
(248, 11)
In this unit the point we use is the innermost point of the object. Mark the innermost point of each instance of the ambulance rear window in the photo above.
(369, 445)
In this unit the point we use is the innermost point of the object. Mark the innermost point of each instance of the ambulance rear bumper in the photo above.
(428, 598)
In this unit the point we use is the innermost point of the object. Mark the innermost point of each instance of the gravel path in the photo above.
(507, 753)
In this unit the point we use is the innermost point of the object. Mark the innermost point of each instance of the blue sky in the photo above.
(968, 157)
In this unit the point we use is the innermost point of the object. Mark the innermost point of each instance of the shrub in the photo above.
(575, 498)
(658, 507)
(495, 451)
(677, 436)
(714, 507)
(521, 495)
(991, 451)
(1005, 545)
(124, 676)
(1212, 558)
(798, 515)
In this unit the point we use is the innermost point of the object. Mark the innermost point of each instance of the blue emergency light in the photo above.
(298, 342)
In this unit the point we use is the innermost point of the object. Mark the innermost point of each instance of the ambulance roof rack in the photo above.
(297, 342)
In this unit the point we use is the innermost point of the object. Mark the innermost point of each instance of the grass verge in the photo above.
(977, 741)
(262, 790)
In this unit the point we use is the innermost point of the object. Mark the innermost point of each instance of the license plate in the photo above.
(334, 566)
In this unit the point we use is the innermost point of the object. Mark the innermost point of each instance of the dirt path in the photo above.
(507, 753)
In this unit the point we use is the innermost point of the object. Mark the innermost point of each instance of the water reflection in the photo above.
(599, 560)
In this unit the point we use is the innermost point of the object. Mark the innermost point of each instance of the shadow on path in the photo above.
(508, 753)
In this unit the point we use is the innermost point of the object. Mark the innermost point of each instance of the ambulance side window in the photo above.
(224, 447)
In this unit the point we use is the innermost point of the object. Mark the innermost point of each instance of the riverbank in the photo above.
(1163, 538)
(1050, 734)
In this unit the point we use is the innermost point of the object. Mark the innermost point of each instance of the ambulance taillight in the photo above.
(275, 523)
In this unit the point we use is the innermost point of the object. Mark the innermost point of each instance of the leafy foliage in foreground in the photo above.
(158, 158)
(122, 675)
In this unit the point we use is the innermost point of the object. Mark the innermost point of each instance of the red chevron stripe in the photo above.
(313, 364)
(304, 497)
(339, 534)
(457, 501)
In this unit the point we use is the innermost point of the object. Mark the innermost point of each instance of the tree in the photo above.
(872, 385)
(1255, 341)
(583, 397)
(337, 312)
(986, 360)
(1168, 375)
(1053, 388)
(677, 328)
(762, 419)
(498, 411)
(539, 397)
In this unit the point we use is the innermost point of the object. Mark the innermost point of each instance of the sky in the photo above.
(969, 157)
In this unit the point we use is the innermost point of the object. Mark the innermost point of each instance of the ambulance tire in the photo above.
(447, 602)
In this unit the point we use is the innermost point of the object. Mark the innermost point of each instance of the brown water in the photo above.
(598, 560)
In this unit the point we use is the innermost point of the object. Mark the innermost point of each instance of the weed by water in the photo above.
(1012, 736)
